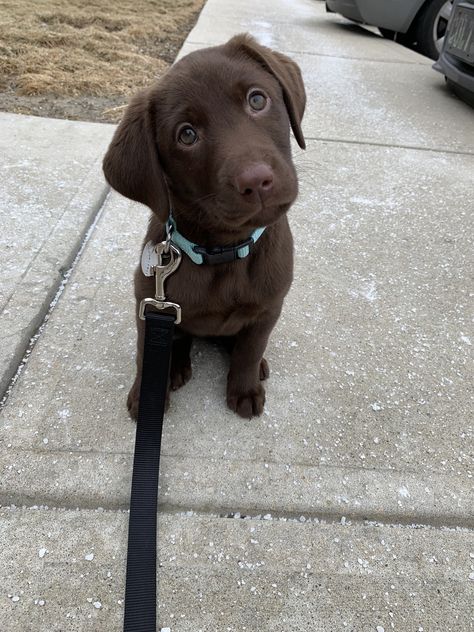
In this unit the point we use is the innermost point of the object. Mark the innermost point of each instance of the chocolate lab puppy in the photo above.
(211, 141)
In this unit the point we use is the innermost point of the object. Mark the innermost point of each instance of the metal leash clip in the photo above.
(160, 260)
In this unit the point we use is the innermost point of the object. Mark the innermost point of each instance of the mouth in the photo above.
(239, 220)
(265, 215)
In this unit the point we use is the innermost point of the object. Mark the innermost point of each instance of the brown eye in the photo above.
(257, 100)
(187, 135)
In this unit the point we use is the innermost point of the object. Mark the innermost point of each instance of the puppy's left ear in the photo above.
(287, 73)
(131, 164)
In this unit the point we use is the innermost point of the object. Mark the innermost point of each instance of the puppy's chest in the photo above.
(217, 301)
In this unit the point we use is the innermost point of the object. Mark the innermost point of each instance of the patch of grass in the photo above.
(82, 48)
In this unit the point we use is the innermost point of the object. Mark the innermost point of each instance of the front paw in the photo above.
(246, 402)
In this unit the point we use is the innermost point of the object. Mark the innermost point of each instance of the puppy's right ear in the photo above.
(131, 164)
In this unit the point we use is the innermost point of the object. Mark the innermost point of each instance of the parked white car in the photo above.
(419, 24)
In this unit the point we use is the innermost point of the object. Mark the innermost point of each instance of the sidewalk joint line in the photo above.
(64, 278)
(434, 523)
(334, 518)
(389, 145)
(422, 62)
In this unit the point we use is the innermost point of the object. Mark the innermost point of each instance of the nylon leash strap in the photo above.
(140, 588)
(140, 584)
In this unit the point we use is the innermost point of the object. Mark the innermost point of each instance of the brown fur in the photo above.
(241, 300)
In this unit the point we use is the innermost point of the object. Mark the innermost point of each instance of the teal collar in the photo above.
(219, 254)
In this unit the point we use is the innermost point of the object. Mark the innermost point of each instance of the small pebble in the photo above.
(89, 557)
(380, 629)
(97, 604)
(42, 553)
(15, 598)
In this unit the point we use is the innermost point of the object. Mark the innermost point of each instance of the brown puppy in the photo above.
(212, 139)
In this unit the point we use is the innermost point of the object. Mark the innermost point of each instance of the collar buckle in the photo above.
(224, 254)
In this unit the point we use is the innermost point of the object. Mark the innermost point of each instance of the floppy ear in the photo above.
(285, 70)
(131, 164)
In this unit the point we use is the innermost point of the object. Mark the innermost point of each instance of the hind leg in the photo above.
(181, 371)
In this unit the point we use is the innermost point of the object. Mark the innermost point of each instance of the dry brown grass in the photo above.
(76, 48)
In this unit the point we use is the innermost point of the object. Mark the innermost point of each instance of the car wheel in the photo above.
(430, 27)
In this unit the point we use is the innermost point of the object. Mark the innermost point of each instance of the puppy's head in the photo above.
(214, 135)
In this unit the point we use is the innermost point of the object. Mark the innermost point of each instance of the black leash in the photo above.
(160, 260)
(140, 590)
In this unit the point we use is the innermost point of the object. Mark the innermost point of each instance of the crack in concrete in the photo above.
(80, 452)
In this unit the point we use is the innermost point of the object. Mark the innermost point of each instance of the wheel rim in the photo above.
(440, 24)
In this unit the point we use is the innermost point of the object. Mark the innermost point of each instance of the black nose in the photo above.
(255, 181)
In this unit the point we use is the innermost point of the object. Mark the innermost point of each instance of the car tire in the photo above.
(430, 27)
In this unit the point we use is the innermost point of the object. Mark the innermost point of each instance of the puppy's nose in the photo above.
(255, 180)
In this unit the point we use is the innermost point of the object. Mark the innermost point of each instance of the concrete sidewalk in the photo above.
(50, 190)
(356, 485)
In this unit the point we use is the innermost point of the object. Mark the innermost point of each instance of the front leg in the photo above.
(245, 393)
(133, 398)
(180, 370)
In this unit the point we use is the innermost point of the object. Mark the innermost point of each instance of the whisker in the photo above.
(201, 199)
